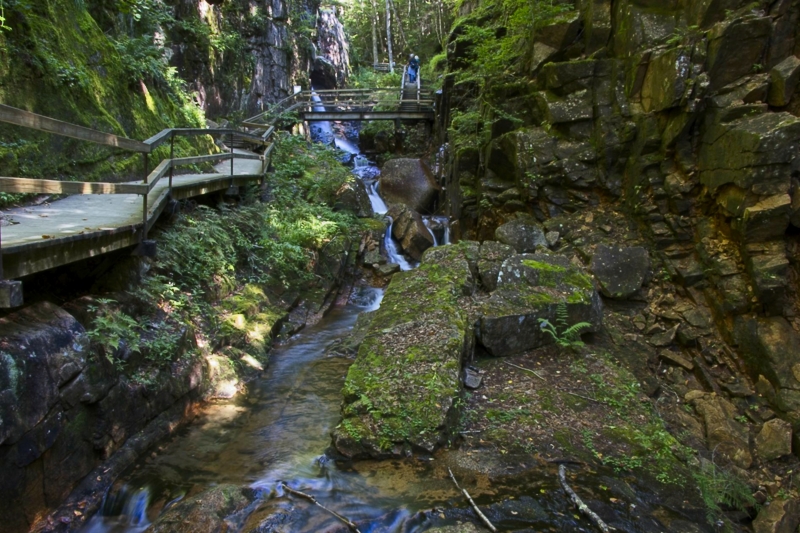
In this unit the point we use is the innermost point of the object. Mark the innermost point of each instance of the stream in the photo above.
(279, 431)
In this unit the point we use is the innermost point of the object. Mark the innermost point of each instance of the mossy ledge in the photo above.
(401, 394)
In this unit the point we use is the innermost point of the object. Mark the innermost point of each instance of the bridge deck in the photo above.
(82, 226)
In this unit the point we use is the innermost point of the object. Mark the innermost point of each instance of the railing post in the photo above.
(144, 217)
(10, 291)
(171, 157)
(230, 141)
(145, 166)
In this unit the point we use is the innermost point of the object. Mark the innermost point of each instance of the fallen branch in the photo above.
(313, 500)
(525, 369)
(582, 507)
(474, 506)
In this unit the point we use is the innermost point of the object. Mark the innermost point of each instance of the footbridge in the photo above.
(413, 102)
(100, 217)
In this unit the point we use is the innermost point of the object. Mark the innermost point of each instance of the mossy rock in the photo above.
(531, 288)
(400, 393)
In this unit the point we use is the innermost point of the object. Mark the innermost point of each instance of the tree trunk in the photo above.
(399, 24)
(389, 37)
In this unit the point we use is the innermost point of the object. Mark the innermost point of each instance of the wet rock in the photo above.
(411, 232)
(774, 440)
(387, 269)
(323, 73)
(373, 257)
(780, 516)
(353, 196)
(783, 81)
(41, 348)
(460, 527)
(400, 392)
(204, 512)
(531, 287)
(408, 182)
(725, 435)
(492, 255)
(522, 234)
(619, 271)
(556, 109)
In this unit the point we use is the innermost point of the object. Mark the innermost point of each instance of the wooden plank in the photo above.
(182, 161)
(254, 157)
(159, 138)
(38, 186)
(158, 173)
(368, 115)
(26, 119)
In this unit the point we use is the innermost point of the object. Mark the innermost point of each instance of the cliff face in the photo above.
(135, 68)
(683, 115)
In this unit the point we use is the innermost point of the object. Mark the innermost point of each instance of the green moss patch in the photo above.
(400, 393)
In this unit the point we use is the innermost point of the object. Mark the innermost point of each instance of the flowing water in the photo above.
(279, 431)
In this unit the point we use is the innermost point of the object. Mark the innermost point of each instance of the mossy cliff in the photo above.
(671, 127)
(136, 67)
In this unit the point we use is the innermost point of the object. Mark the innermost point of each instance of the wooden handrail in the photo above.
(20, 117)
(40, 186)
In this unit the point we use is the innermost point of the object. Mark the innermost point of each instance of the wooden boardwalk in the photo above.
(98, 218)
(86, 225)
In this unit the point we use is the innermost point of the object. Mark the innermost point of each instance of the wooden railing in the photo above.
(166, 167)
(341, 100)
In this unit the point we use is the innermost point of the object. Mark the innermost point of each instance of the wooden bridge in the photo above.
(100, 217)
(412, 102)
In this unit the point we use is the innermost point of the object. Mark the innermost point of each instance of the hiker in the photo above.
(413, 68)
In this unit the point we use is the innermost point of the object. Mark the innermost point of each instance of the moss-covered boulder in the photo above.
(400, 393)
(531, 287)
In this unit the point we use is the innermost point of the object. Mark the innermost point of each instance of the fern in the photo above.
(720, 488)
(565, 335)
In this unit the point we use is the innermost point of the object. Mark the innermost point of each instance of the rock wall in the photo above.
(686, 115)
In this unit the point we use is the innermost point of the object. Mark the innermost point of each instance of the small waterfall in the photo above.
(392, 253)
(320, 131)
(127, 508)
(439, 226)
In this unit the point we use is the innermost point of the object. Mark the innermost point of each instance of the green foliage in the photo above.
(112, 329)
(499, 33)
(367, 78)
(720, 488)
(565, 335)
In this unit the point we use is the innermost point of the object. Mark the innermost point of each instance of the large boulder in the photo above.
(774, 440)
(667, 79)
(353, 196)
(408, 182)
(400, 392)
(411, 232)
(532, 287)
(522, 234)
(620, 271)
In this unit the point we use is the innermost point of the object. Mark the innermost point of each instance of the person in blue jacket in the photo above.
(413, 68)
